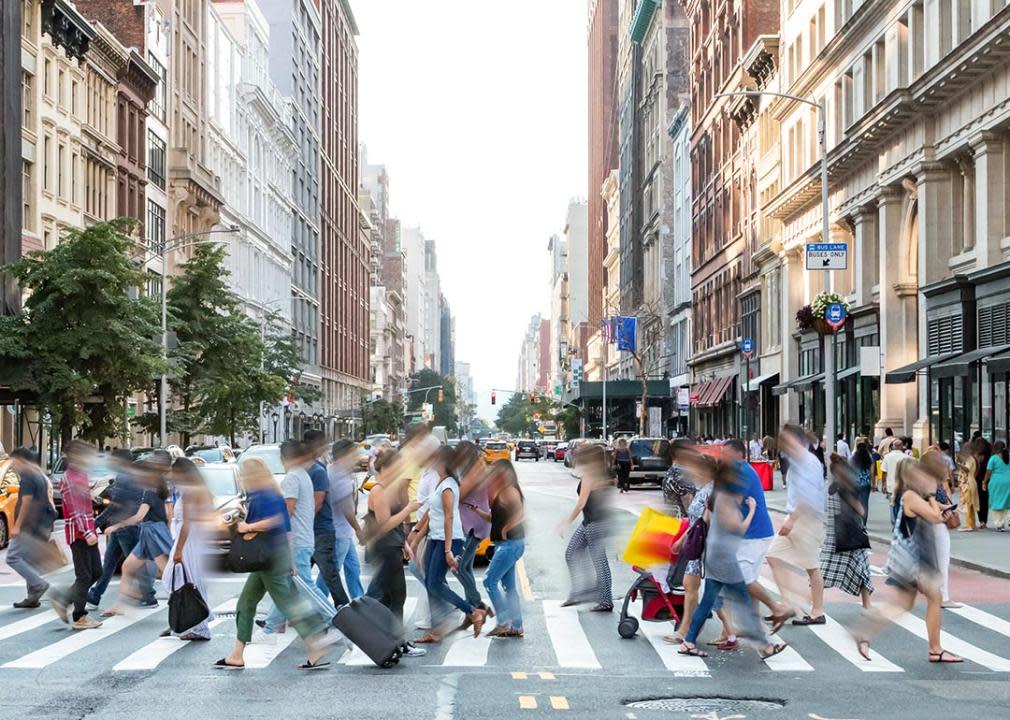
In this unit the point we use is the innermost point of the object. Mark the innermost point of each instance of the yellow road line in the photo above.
(559, 702)
(546, 676)
(527, 702)
(518, 676)
(524, 581)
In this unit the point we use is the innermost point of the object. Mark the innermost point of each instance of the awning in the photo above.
(999, 366)
(716, 391)
(698, 392)
(962, 364)
(906, 373)
(848, 372)
(799, 384)
(754, 384)
(643, 16)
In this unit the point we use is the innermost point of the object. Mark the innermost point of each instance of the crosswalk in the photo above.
(557, 638)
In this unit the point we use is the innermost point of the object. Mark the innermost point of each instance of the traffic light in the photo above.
(493, 397)
(441, 395)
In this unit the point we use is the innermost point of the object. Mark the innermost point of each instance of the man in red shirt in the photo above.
(79, 527)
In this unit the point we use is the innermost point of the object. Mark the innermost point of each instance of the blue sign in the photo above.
(747, 347)
(835, 315)
(827, 256)
(626, 333)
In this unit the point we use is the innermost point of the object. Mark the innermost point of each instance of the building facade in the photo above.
(680, 279)
(432, 333)
(560, 327)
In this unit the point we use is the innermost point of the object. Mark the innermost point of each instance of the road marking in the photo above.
(527, 702)
(571, 646)
(559, 702)
(788, 660)
(525, 589)
(679, 665)
(260, 655)
(29, 623)
(980, 617)
(357, 656)
(519, 676)
(836, 637)
(153, 654)
(546, 676)
(44, 657)
(986, 659)
(467, 651)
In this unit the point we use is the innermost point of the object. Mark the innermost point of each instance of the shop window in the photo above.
(994, 325)
(945, 334)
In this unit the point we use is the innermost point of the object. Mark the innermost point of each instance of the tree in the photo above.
(648, 355)
(85, 341)
(444, 409)
(520, 416)
(383, 416)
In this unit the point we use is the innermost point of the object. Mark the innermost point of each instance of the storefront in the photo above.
(760, 407)
(857, 359)
(623, 402)
(714, 407)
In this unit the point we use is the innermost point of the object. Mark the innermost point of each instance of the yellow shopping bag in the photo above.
(651, 542)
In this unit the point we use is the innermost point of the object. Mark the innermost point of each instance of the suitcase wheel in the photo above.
(388, 664)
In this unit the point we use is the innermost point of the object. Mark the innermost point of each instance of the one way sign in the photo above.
(827, 256)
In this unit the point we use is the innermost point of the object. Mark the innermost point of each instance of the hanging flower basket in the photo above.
(811, 317)
(822, 327)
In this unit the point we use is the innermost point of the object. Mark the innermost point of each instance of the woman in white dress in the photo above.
(190, 521)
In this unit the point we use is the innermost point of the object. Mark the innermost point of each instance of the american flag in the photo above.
(607, 328)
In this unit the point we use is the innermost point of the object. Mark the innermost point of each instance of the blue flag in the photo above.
(626, 332)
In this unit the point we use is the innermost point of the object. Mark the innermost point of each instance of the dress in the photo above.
(999, 483)
(848, 571)
(194, 556)
(694, 514)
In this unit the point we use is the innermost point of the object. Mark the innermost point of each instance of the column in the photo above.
(990, 206)
(844, 280)
(864, 255)
(966, 167)
(938, 17)
(937, 221)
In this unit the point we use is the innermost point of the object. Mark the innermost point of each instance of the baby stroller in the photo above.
(657, 605)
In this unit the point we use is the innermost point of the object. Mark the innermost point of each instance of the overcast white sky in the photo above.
(478, 111)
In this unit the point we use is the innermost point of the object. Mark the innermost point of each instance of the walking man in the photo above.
(34, 515)
(325, 553)
(345, 522)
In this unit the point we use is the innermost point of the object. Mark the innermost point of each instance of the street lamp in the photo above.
(287, 422)
(275, 417)
(822, 141)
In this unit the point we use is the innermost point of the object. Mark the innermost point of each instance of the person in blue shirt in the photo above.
(325, 553)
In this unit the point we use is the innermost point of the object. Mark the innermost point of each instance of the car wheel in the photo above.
(4, 536)
(627, 627)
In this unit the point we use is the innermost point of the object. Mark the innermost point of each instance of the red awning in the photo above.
(718, 391)
(698, 392)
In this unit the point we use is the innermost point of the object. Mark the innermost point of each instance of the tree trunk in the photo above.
(644, 413)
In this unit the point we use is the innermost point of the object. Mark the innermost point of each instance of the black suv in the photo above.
(527, 449)
(650, 459)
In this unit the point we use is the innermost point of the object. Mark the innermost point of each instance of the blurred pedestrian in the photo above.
(997, 485)
(475, 517)
(847, 570)
(508, 510)
(983, 451)
(968, 488)
(932, 463)
(842, 448)
(34, 515)
(622, 463)
(798, 543)
(267, 512)
(345, 521)
(587, 544)
(324, 553)
(194, 507)
(889, 463)
(79, 529)
(722, 567)
(679, 487)
(866, 475)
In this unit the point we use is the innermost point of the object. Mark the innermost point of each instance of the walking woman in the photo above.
(622, 461)
(934, 464)
(847, 570)
(968, 489)
(508, 509)
(866, 475)
(266, 512)
(983, 452)
(911, 562)
(474, 514)
(997, 485)
(154, 541)
(588, 542)
(190, 520)
(722, 568)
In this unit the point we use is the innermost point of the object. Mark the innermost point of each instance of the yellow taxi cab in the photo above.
(497, 450)
(9, 482)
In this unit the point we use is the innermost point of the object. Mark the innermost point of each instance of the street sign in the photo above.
(835, 315)
(827, 256)
(747, 347)
(683, 398)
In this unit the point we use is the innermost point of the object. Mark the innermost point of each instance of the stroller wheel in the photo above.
(627, 627)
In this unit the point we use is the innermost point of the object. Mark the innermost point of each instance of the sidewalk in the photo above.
(983, 550)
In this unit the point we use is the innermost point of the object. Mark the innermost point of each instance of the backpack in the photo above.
(694, 542)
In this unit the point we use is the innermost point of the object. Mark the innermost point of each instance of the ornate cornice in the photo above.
(67, 28)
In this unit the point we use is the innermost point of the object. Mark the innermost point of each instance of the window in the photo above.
(156, 160)
(155, 227)
(46, 69)
(61, 94)
(73, 97)
(27, 19)
(153, 284)
(46, 182)
(27, 98)
(750, 319)
(27, 197)
(74, 162)
(60, 157)
(157, 104)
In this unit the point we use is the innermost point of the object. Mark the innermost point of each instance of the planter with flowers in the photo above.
(811, 317)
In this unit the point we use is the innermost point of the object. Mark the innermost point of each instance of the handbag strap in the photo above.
(185, 575)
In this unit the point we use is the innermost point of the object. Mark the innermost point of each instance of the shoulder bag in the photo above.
(250, 552)
(186, 605)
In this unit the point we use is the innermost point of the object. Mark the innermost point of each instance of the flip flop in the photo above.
(860, 644)
(944, 657)
(320, 665)
(773, 651)
(693, 652)
(728, 645)
(807, 620)
(223, 664)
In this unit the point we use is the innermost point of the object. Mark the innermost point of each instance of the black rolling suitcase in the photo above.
(372, 627)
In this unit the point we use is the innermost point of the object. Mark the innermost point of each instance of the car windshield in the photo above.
(657, 447)
(270, 454)
(220, 480)
(496, 446)
(211, 455)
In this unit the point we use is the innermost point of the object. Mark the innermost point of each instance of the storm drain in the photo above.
(705, 704)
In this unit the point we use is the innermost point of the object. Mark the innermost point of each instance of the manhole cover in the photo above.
(705, 704)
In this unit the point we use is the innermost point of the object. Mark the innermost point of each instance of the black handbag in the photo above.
(850, 533)
(250, 552)
(186, 606)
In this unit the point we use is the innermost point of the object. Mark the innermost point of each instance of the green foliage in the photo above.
(445, 411)
(84, 341)
(382, 416)
(517, 415)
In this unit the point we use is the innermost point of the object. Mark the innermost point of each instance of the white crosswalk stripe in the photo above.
(986, 659)
(29, 623)
(788, 660)
(467, 651)
(679, 665)
(838, 639)
(152, 655)
(356, 656)
(571, 646)
(986, 620)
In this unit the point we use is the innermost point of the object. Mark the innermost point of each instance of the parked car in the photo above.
(496, 450)
(650, 459)
(229, 504)
(527, 449)
(9, 483)
(211, 453)
(270, 454)
(547, 448)
(560, 451)
(100, 476)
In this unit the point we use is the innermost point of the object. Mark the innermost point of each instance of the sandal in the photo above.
(779, 620)
(944, 657)
(673, 639)
(860, 645)
(428, 639)
(498, 631)
(318, 665)
(477, 617)
(727, 645)
(111, 612)
(692, 651)
(807, 620)
(602, 608)
(223, 664)
(773, 650)
(515, 634)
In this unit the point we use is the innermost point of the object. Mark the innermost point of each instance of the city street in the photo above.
(569, 661)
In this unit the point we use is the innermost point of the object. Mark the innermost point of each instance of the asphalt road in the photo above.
(569, 663)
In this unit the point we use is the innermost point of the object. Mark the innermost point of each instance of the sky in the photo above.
(478, 110)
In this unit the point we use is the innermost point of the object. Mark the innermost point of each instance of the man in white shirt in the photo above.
(890, 463)
(755, 448)
(843, 449)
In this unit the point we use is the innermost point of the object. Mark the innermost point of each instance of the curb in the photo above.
(959, 562)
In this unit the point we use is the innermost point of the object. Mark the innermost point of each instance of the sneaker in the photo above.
(412, 651)
(60, 609)
(262, 637)
(27, 604)
(85, 623)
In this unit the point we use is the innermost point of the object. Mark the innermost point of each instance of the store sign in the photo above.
(827, 256)
(835, 315)
(683, 398)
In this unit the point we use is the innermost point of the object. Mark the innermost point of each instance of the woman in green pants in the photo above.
(267, 513)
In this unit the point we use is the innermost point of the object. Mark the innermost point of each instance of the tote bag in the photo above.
(186, 605)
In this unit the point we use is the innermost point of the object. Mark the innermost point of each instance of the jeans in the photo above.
(87, 569)
(303, 565)
(277, 583)
(501, 573)
(117, 547)
(389, 584)
(438, 588)
(742, 608)
(465, 573)
(22, 554)
(325, 557)
(347, 555)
